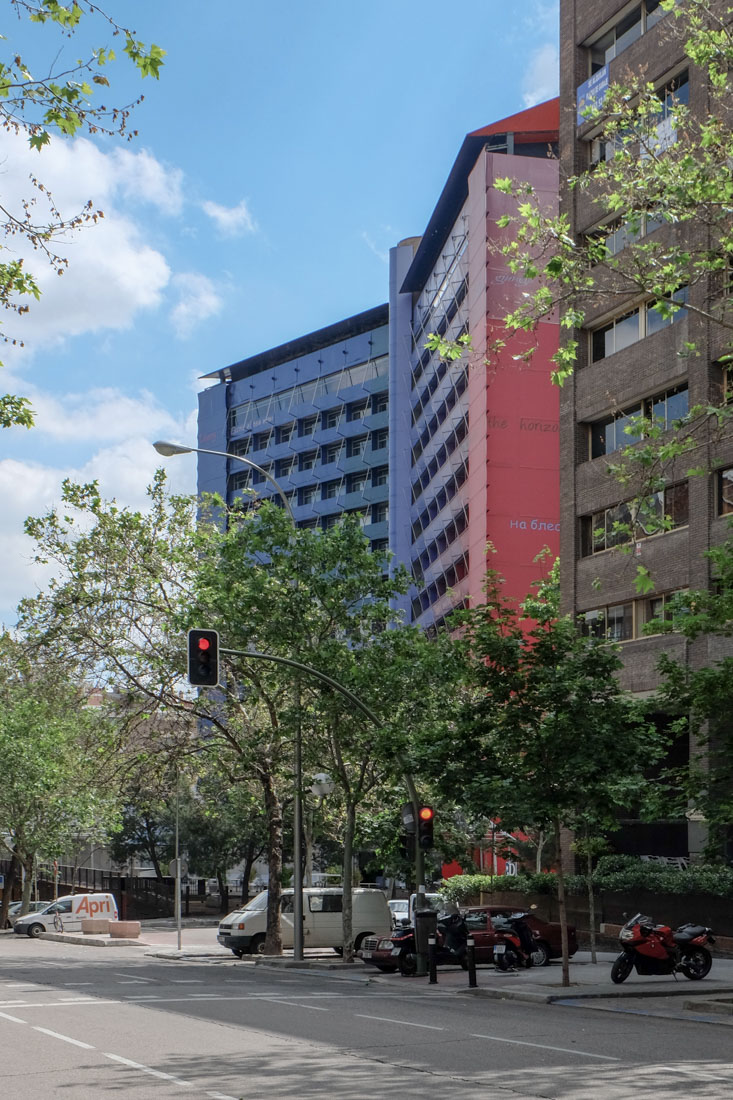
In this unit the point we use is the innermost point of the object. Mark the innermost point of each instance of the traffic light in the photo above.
(203, 658)
(426, 817)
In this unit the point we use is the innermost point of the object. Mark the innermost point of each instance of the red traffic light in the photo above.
(204, 643)
(427, 813)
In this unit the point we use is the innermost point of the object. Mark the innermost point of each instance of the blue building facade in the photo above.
(315, 414)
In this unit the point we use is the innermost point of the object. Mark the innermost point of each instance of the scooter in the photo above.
(516, 943)
(655, 949)
(453, 933)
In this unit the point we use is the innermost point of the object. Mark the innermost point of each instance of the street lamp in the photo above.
(168, 450)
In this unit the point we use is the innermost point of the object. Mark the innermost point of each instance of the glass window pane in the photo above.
(628, 30)
(678, 404)
(726, 492)
(598, 438)
(621, 622)
(627, 330)
(676, 503)
(653, 13)
(602, 343)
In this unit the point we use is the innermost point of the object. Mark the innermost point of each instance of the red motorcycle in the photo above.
(655, 949)
(514, 944)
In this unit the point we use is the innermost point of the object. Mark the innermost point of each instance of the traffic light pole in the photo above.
(368, 713)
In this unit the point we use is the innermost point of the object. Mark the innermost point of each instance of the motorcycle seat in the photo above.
(688, 932)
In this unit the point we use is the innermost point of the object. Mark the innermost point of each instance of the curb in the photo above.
(89, 941)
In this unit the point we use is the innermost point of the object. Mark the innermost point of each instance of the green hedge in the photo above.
(613, 873)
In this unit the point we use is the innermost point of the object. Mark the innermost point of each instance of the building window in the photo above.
(285, 467)
(308, 495)
(617, 431)
(258, 476)
(307, 426)
(380, 512)
(331, 453)
(622, 622)
(307, 524)
(380, 476)
(331, 418)
(356, 483)
(630, 327)
(634, 23)
(725, 492)
(240, 447)
(355, 447)
(357, 409)
(262, 441)
(330, 489)
(380, 403)
(330, 521)
(285, 432)
(240, 480)
(661, 511)
(380, 439)
(307, 460)
(379, 546)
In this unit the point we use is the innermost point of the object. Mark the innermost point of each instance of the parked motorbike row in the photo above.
(646, 947)
(651, 948)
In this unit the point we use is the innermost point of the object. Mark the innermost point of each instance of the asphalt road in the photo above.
(80, 1022)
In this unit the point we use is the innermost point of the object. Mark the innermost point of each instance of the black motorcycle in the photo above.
(450, 945)
(515, 942)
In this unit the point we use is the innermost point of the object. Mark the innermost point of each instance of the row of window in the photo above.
(622, 428)
(453, 574)
(306, 426)
(264, 408)
(615, 235)
(624, 621)
(354, 483)
(661, 511)
(640, 19)
(658, 132)
(439, 545)
(634, 325)
(439, 459)
(446, 406)
(356, 447)
(439, 501)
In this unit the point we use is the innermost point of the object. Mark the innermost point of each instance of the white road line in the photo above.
(137, 979)
(60, 1004)
(152, 1072)
(187, 981)
(14, 1019)
(220, 1096)
(66, 1038)
(292, 1004)
(11, 1004)
(543, 1046)
(404, 1023)
(77, 983)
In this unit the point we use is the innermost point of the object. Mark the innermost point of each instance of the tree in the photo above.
(702, 698)
(58, 768)
(131, 584)
(549, 739)
(58, 99)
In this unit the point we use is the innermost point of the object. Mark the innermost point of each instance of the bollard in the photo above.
(432, 969)
(471, 960)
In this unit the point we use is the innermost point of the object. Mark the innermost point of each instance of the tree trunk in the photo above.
(591, 905)
(249, 860)
(347, 922)
(152, 850)
(273, 810)
(562, 910)
(28, 882)
(308, 825)
(8, 891)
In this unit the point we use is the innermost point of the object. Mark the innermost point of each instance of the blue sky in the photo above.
(284, 150)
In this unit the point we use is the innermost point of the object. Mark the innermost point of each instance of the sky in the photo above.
(284, 150)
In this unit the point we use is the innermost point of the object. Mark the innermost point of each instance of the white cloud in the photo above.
(198, 300)
(541, 75)
(231, 221)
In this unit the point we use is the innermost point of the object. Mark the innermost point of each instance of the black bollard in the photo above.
(432, 969)
(471, 960)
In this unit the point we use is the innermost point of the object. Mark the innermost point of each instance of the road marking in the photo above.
(220, 1096)
(543, 1046)
(404, 1023)
(66, 1038)
(77, 983)
(12, 1004)
(14, 1019)
(292, 1004)
(152, 1072)
(187, 981)
(118, 975)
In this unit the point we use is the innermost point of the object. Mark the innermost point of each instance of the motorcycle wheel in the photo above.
(507, 961)
(696, 964)
(621, 968)
(408, 964)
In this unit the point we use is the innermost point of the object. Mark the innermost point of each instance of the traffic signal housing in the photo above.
(425, 819)
(203, 658)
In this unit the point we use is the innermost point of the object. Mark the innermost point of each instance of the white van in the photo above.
(244, 930)
(68, 912)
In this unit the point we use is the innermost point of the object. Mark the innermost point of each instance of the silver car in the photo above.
(15, 907)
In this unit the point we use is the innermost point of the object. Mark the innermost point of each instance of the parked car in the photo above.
(394, 953)
(67, 912)
(399, 909)
(14, 910)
